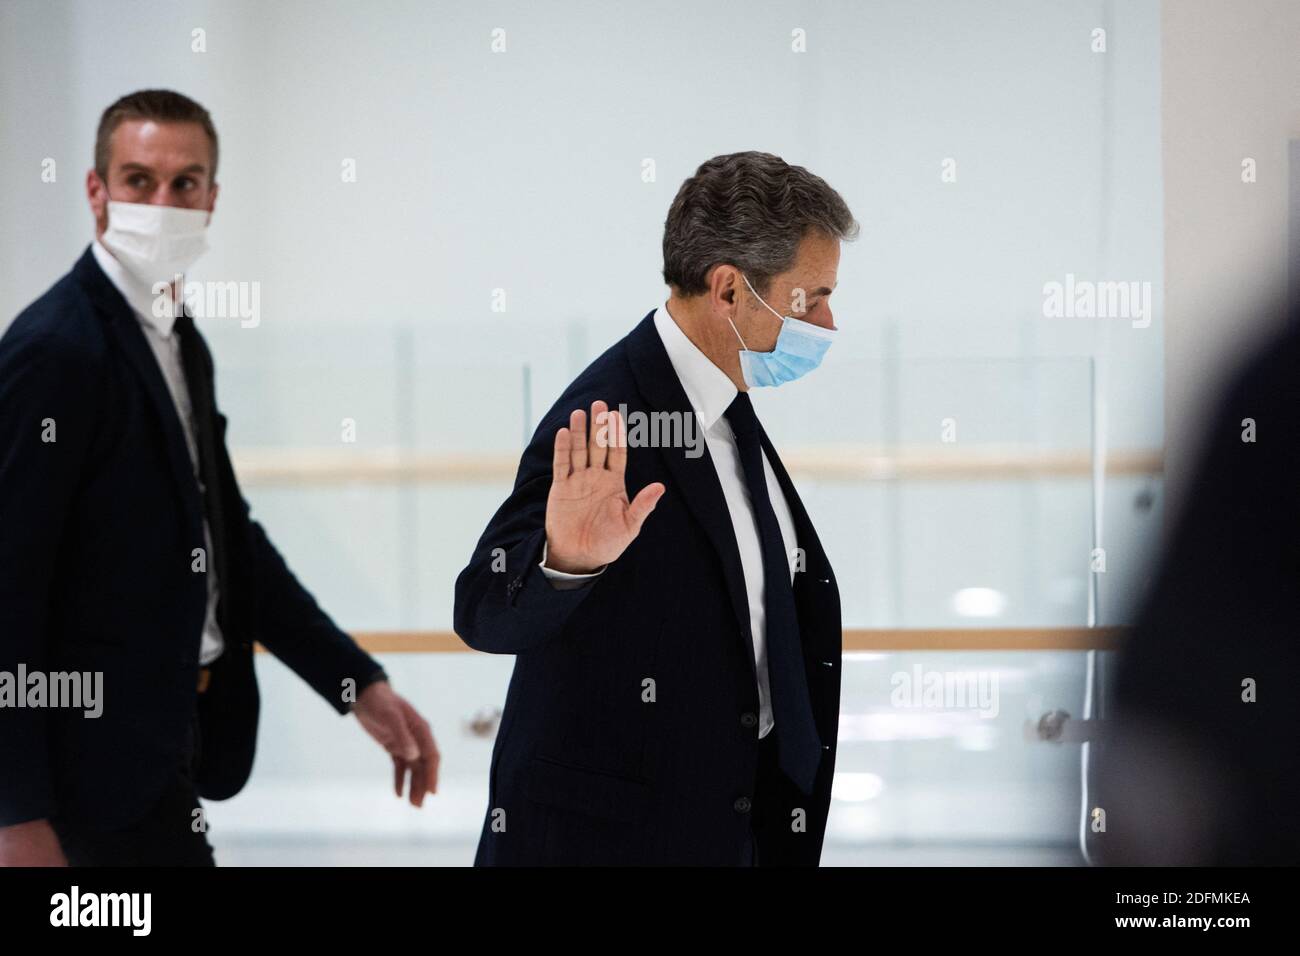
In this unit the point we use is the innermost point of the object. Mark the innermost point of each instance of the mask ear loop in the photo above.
(733, 328)
(765, 305)
(761, 299)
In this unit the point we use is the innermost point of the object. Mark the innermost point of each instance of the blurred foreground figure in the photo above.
(1205, 768)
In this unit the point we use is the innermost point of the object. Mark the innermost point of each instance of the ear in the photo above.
(97, 195)
(723, 291)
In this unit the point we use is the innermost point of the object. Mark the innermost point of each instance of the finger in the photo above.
(644, 503)
(399, 775)
(428, 757)
(599, 434)
(560, 463)
(416, 795)
(617, 460)
(578, 439)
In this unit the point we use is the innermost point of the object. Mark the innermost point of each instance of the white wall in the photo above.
(1231, 80)
(523, 171)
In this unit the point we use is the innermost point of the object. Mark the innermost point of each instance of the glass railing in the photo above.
(949, 493)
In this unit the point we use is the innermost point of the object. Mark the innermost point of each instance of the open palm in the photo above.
(589, 520)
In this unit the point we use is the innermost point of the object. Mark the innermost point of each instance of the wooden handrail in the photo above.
(855, 639)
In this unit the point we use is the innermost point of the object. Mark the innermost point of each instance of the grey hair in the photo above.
(749, 210)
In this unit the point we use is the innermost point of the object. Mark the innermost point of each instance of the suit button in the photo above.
(748, 720)
(742, 804)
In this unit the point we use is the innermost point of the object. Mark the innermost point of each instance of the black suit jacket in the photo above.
(97, 530)
(585, 768)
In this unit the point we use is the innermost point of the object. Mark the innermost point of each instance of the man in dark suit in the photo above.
(675, 698)
(127, 548)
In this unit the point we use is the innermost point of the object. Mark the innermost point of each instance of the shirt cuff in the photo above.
(563, 580)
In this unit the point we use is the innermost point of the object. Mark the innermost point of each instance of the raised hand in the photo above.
(589, 520)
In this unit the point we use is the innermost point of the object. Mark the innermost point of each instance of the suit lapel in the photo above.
(696, 478)
(125, 329)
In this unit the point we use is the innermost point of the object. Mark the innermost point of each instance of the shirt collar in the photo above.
(708, 388)
(138, 295)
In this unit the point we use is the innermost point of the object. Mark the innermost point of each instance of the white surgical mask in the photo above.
(155, 243)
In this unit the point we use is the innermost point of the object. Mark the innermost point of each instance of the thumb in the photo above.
(644, 503)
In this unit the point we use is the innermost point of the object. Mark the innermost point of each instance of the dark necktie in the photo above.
(799, 747)
(199, 384)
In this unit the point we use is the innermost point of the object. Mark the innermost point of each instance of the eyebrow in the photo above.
(822, 291)
(192, 168)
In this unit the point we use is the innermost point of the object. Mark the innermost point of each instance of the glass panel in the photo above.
(951, 493)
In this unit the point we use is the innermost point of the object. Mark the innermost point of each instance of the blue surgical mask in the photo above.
(799, 349)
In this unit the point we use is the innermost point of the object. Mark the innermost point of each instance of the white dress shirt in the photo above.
(167, 350)
(710, 393)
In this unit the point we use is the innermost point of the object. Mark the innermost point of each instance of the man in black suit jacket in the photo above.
(675, 698)
(127, 548)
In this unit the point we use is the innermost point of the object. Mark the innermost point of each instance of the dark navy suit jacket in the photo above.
(97, 530)
(629, 732)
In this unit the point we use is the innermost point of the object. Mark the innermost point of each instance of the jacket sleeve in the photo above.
(289, 622)
(504, 602)
(48, 416)
(295, 629)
